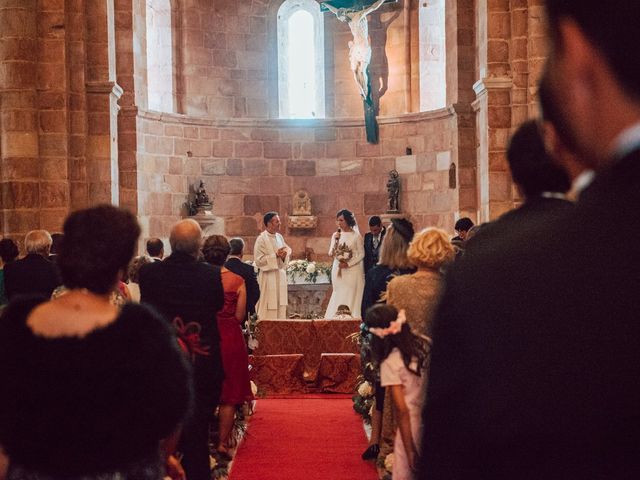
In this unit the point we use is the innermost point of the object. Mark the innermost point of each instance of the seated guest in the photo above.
(155, 249)
(235, 264)
(134, 276)
(95, 389)
(8, 253)
(462, 227)
(188, 293)
(34, 274)
(236, 388)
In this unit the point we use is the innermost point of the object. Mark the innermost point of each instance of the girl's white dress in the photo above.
(349, 285)
(394, 372)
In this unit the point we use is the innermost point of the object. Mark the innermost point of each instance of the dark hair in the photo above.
(155, 247)
(8, 250)
(375, 221)
(411, 346)
(268, 216)
(404, 227)
(236, 246)
(98, 243)
(56, 243)
(463, 224)
(348, 217)
(531, 166)
(216, 249)
(611, 29)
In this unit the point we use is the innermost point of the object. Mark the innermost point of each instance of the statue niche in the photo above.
(301, 217)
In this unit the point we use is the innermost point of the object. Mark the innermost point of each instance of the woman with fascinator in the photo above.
(402, 356)
(347, 273)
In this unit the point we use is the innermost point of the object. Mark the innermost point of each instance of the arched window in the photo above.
(301, 59)
(433, 68)
(159, 56)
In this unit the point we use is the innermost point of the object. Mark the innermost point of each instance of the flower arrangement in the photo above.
(308, 270)
(363, 399)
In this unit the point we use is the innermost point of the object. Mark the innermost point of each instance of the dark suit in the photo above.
(181, 287)
(371, 255)
(535, 364)
(247, 272)
(34, 274)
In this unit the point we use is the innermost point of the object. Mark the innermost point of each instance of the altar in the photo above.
(308, 300)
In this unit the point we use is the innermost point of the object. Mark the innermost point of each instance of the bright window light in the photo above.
(302, 85)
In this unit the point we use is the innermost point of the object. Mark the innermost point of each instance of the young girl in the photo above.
(402, 356)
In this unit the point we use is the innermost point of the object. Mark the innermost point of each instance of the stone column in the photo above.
(103, 94)
(494, 106)
(19, 142)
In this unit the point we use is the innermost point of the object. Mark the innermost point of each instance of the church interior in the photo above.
(134, 102)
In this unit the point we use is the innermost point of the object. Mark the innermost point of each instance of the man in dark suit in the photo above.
(155, 249)
(535, 366)
(188, 293)
(541, 182)
(372, 242)
(34, 274)
(235, 264)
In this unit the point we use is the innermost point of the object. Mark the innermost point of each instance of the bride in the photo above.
(347, 274)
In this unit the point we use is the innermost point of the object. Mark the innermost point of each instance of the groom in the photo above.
(271, 255)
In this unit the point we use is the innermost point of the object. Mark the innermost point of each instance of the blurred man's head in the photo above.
(155, 247)
(186, 237)
(462, 227)
(532, 168)
(593, 75)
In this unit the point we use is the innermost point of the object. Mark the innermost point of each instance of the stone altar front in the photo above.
(308, 300)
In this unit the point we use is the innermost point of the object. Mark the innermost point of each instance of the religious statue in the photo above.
(301, 217)
(301, 203)
(200, 203)
(202, 199)
(393, 189)
(360, 57)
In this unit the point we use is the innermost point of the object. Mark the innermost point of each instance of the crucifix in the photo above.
(355, 15)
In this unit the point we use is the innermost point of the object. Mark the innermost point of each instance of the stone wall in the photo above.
(252, 167)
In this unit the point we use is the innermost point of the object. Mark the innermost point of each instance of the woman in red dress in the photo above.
(236, 388)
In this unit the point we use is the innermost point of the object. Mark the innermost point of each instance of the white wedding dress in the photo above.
(349, 285)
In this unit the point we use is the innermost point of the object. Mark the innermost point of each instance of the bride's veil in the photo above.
(355, 227)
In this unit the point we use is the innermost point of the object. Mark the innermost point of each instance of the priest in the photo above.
(271, 256)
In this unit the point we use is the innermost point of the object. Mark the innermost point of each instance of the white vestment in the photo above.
(272, 277)
(348, 286)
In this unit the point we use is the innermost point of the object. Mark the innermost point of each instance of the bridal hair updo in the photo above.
(216, 250)
(348, 217)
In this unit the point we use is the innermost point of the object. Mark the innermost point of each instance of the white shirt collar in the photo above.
(582, 181)
(627, 141)
(557, 195)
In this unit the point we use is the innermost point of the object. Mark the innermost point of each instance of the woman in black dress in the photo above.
(91, 389)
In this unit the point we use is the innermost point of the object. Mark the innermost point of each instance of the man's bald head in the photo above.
(186, 237)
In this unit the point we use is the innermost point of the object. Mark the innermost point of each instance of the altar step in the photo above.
(285, 374)
(306, 356)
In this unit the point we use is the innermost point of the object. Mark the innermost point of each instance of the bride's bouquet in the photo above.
(343, 253)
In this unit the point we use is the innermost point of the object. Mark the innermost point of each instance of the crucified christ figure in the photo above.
(360, 47)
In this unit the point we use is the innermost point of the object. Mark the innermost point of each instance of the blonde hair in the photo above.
(393, 251)
(430, 248)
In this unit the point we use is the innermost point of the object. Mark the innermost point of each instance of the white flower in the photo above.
(254, 388)
(365, 390)
(311, 268)
(388, 462)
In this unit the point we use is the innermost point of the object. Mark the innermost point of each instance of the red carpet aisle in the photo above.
(303, 439)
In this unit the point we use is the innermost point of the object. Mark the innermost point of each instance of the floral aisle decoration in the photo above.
(363, 399)
(308, 271)
(386, 465)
